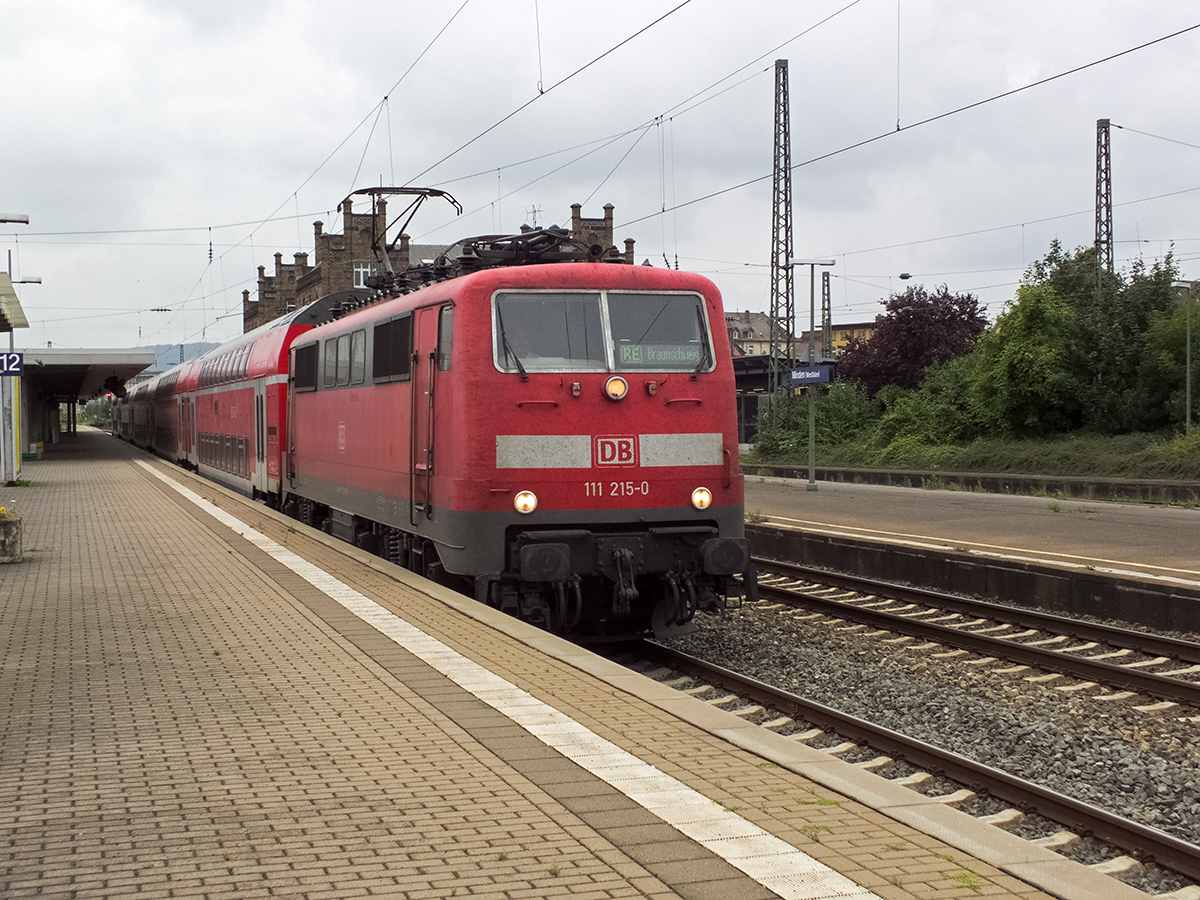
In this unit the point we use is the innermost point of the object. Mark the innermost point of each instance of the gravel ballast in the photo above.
(1144, 766)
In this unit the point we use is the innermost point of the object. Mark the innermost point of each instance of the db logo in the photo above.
(616, 451)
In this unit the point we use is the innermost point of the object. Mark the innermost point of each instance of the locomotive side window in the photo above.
(330, 362)
(305, 368)
(659, 332)
(392, 347)
(549, 332)
(343, 359)
(445, 338)
(358, 357)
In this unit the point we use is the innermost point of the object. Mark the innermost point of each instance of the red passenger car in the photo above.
(223, 414)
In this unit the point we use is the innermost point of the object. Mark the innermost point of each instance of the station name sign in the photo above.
(812, 375)
(12, 364)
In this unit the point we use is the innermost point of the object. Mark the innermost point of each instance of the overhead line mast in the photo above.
(1104, 221)
(783, 304)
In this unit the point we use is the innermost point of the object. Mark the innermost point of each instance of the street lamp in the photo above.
(812, 352)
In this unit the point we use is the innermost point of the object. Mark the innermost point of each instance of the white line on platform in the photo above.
(773, 863)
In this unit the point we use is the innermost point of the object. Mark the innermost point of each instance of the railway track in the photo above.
(1093, 654)
(1139, 842)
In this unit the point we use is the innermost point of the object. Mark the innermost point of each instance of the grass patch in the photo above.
(1160, 456)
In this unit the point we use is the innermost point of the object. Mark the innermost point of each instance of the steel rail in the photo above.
(1157, 645)
(1161, 686)
(1140, 841)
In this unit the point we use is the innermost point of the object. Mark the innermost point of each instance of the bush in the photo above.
(844, 414)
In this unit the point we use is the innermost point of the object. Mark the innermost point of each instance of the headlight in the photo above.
(702, 498)
(525, 502)
(616, 388)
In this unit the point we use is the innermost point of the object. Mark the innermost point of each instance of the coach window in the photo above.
(343, 359)
(358, 357)
(331, 362)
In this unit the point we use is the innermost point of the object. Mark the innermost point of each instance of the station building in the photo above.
(344, 261)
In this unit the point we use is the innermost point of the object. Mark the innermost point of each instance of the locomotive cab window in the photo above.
(549, 332)
(600, 332)
(659, 332)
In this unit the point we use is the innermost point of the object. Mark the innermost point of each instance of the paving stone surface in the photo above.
(180, 716)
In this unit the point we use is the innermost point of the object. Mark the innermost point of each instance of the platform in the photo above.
(202, 698)
(1154, 542)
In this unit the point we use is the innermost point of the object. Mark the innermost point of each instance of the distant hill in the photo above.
(167, 355)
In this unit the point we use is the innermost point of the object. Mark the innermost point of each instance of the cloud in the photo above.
(145, 118)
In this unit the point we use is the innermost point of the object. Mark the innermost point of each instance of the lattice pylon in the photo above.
(1104, 222)
(783, 304)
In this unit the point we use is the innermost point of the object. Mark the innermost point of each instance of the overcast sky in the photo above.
(136, 133)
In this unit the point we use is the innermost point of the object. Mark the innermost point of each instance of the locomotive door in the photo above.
(424, 365)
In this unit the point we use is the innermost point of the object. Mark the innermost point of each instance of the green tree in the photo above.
(1113, 312)
(1028, 378)
(917, 331)
(97, 412)
(1162, 375)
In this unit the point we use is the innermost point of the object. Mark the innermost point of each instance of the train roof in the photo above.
(566, 276)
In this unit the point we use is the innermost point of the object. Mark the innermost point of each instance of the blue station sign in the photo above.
(812, 375)
(12, 364)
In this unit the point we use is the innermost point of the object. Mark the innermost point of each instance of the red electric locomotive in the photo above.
(561, 438)
(556, 438)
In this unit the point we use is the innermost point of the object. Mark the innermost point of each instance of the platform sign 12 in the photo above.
(12, 364)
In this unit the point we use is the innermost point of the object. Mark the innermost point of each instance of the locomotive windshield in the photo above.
(600, 332)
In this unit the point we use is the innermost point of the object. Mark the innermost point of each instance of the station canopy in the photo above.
(70, 375)
(11, 314)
